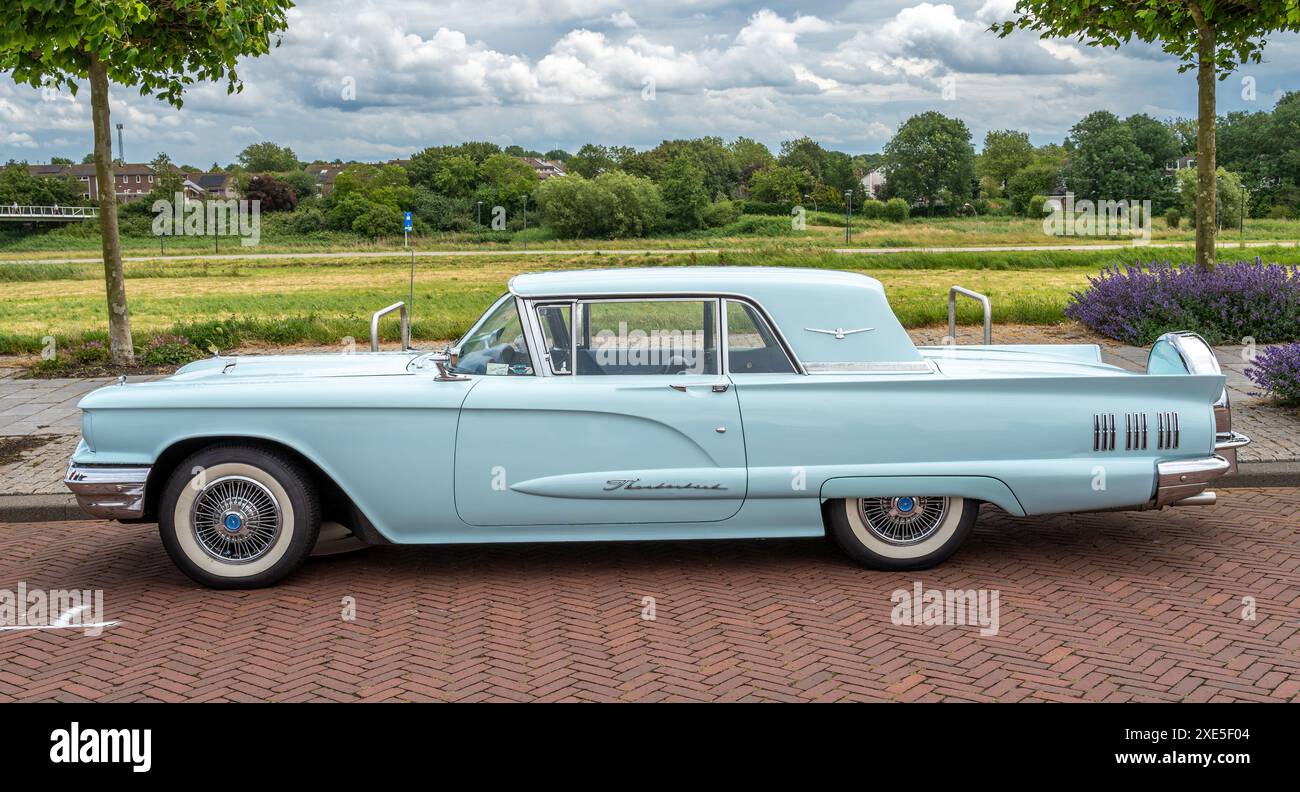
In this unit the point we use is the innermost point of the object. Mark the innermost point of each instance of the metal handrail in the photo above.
(48, 211)
(381, 313)
(952, 312)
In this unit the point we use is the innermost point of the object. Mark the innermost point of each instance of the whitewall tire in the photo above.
(234, 516)
(901, 532)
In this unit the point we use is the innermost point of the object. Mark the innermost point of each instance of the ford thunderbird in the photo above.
(639, 404)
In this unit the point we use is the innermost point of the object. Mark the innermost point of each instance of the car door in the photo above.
(629, 421)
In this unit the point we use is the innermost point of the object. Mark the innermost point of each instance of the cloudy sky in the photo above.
(365, 80)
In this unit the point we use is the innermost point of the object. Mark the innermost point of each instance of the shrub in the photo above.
(613, 204)
(91, 351)
(896, 210)
(721, 213)
(275, 195)
(752, 207)
(1277, 371)
(873, 209)
(1136, 304)
(378, 220)
(1280, 213)
(1037, 207)
(307, 221)
(169, 350)
(1173, 217)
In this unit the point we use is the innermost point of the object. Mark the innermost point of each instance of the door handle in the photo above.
(721, 387)
(678, 388)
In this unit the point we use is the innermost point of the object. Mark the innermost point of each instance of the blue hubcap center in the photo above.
(906, 504)
(233, 523)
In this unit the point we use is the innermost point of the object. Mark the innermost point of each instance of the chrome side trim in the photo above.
(108, 492)
(866, 367)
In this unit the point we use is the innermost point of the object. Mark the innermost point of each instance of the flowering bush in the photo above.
(91, 351)
(1277, 371)
(168, 350)
(1135, 304)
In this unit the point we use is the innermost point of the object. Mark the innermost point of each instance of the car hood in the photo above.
(245, 367)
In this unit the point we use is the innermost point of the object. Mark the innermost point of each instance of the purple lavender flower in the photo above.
(1276, 371)
(1136, 303)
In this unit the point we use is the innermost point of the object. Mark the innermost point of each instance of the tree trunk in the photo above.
(1206, 187)
(119, 318)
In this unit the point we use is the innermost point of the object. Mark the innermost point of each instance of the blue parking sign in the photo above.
(406, 220)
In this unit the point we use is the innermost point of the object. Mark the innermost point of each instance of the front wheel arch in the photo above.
(335, 504)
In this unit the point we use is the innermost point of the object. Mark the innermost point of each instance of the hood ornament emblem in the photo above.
(839, 332)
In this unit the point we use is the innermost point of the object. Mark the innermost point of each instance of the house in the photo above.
(873, 183)
(545, 169)
(324, 173)
(1182, 163)
(215, 185)
(131, 181)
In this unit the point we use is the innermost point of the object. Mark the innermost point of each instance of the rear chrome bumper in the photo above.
(1182, 482)
(108, 492)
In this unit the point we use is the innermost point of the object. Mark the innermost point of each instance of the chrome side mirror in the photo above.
(441, 359)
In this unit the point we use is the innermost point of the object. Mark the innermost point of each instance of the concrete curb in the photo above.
(1262, 474)
(40, 508)
(54, 508)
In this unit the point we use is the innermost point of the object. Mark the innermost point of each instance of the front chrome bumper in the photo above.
(108, 492)
(1182, 482)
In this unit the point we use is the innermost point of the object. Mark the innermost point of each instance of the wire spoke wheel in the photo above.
(236, 519)
(903, 520)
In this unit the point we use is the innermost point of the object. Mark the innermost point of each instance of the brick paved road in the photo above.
(1105, 606)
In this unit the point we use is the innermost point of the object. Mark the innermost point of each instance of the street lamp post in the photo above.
(814, 201)
(478, 221)
(848, 213)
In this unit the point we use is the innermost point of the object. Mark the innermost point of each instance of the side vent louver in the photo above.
(1135, 431)
(1167, 430)
(1103, 432)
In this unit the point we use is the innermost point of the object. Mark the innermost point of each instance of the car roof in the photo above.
(671, 280)
(804, 303)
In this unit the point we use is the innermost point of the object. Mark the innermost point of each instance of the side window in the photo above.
(496, 346)
(751, 346)
(667, 336)
(557, 325)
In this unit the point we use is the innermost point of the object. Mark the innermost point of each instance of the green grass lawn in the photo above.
(824, 230)
(290, 301)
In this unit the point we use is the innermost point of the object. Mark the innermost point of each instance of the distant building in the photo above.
(131, 181)
(215, 185)
(873, 183)
(1182, 163)
(324, 174)
(544, 168)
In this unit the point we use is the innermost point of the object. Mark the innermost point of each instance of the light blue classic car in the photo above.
(636, 404)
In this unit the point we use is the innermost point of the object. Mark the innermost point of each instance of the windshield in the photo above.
(496, 345)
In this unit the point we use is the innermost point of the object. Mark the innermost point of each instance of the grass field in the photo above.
(824, 230)
(322, 302)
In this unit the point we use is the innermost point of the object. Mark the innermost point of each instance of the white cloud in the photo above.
(379, 80)
(622, 19)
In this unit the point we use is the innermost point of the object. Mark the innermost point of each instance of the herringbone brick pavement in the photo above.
(1111, 607)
